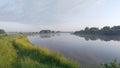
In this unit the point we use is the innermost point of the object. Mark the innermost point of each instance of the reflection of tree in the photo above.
(46, 35)
(101, 37)
(32, 35)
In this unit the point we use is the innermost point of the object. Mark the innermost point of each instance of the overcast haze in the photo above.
(64, 15)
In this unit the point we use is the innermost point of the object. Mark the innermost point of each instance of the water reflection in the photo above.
(46, 35)
(49, 35)
(100, 37)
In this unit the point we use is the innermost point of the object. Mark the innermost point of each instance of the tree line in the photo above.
(107, 30)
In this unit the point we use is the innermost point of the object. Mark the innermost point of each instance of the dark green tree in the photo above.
(2, 31)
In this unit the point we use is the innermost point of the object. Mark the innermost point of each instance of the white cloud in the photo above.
(99, 3)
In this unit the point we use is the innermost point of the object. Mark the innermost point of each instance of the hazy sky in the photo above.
(65, 15)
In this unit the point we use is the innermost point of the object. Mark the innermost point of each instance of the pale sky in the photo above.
(64, 15)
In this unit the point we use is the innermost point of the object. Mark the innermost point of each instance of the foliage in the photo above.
(112, 64)
(46, 31)
(17, 52)
(115, 30)
(2, 33)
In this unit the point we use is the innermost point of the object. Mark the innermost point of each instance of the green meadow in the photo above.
(17, 52)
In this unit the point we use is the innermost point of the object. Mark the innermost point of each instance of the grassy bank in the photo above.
(17, 52)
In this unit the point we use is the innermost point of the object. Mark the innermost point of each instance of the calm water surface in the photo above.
(87, 50)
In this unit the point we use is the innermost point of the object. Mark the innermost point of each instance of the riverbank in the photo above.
(17, 52)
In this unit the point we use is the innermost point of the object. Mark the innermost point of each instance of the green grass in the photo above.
(17, 52)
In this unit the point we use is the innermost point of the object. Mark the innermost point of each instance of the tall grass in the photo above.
(17, 52)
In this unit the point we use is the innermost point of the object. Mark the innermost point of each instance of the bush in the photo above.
(112, 64)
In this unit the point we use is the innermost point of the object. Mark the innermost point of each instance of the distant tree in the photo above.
(87, 28)
(47, 31)
(2, 31)
(105, 30)
(115, 30)
(52, 31)
(93, 30)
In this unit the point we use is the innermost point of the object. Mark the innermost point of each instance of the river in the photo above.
(87, 50)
